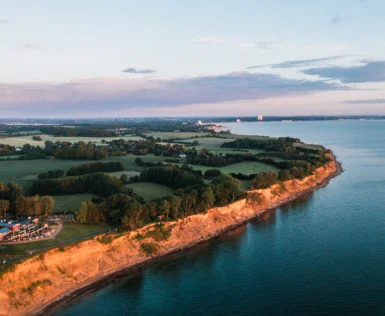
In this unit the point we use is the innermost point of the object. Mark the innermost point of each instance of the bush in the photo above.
(123, 178)
(149, 248)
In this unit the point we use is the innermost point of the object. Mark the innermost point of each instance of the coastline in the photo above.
(101, 281)
(231, 217)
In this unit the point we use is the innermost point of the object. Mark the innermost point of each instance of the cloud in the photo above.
(139, 71)
(4, 21)
(368, 101)
(108, 95)
(260, 44)
(337, 19)
(209, 39)
(298, 63)
(370, 71)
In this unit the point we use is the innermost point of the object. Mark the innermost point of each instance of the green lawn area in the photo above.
(70, 203)
(19, 141)
(74, 230)
(149, 190)
(22, 248)
(23, 172)
(170, 135)
(246, 167)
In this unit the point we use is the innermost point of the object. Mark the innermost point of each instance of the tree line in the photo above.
(12, 200)
(128, 211)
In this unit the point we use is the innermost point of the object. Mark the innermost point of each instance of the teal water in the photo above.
(323, 255)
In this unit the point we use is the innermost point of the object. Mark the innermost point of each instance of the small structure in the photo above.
(239, 121)
(260, 117)
(4, 232)
(14, 227)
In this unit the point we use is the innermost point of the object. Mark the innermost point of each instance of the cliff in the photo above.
(44, 279)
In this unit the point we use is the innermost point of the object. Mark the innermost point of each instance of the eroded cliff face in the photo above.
(41, 280)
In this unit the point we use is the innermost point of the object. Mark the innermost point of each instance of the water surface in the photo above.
(324, 255)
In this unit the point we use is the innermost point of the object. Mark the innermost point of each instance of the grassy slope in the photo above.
(150, 190)
(75, 230)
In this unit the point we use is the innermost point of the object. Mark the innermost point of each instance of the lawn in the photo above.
(19, 141)
(246, 167)
(69, 203)
(209, 142)
(23, 172)
(72, 231)
(12, 249)
(149, 190)
(171, 135)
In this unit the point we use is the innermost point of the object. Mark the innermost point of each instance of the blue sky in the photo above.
(132, 58)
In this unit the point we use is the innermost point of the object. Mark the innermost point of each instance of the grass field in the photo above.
(22, 248)
(19, 141)
(170, 135)
(241, 167)
(69, 203)
(149, 190)
(71, 231)
(23, 172)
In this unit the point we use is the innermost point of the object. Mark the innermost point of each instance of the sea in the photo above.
(321, 255)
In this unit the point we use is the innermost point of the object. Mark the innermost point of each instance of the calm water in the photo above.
(324, 255)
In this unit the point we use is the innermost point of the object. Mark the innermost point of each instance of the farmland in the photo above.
(19, 141)
(149, 190)
(69, 203)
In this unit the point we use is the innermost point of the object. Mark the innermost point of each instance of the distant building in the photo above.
(260, 117)
(239, 121)
(199, 122)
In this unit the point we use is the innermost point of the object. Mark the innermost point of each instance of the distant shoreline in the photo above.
(101, 281)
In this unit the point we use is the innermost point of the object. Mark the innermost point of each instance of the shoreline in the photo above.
(100, 281)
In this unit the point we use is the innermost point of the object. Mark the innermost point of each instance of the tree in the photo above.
(5, 205)
(139, 161)
(226, 189)
(4, 191)
(47, 204)
(124, 178)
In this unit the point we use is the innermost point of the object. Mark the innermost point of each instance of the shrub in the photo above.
(149, 248)
(212, 173)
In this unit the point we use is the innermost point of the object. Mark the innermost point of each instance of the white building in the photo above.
(260, 117)
(239, 121)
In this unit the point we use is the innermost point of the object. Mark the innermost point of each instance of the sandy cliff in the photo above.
(44, 279)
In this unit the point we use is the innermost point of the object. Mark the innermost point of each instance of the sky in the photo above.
(201, 58)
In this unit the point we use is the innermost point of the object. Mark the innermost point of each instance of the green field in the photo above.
(22, 248)
(171, 135)
(19, 141)
(71, 231)
(209, 142)
(69, 203)
(23, 171)
(246, 167)
(149, 190)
